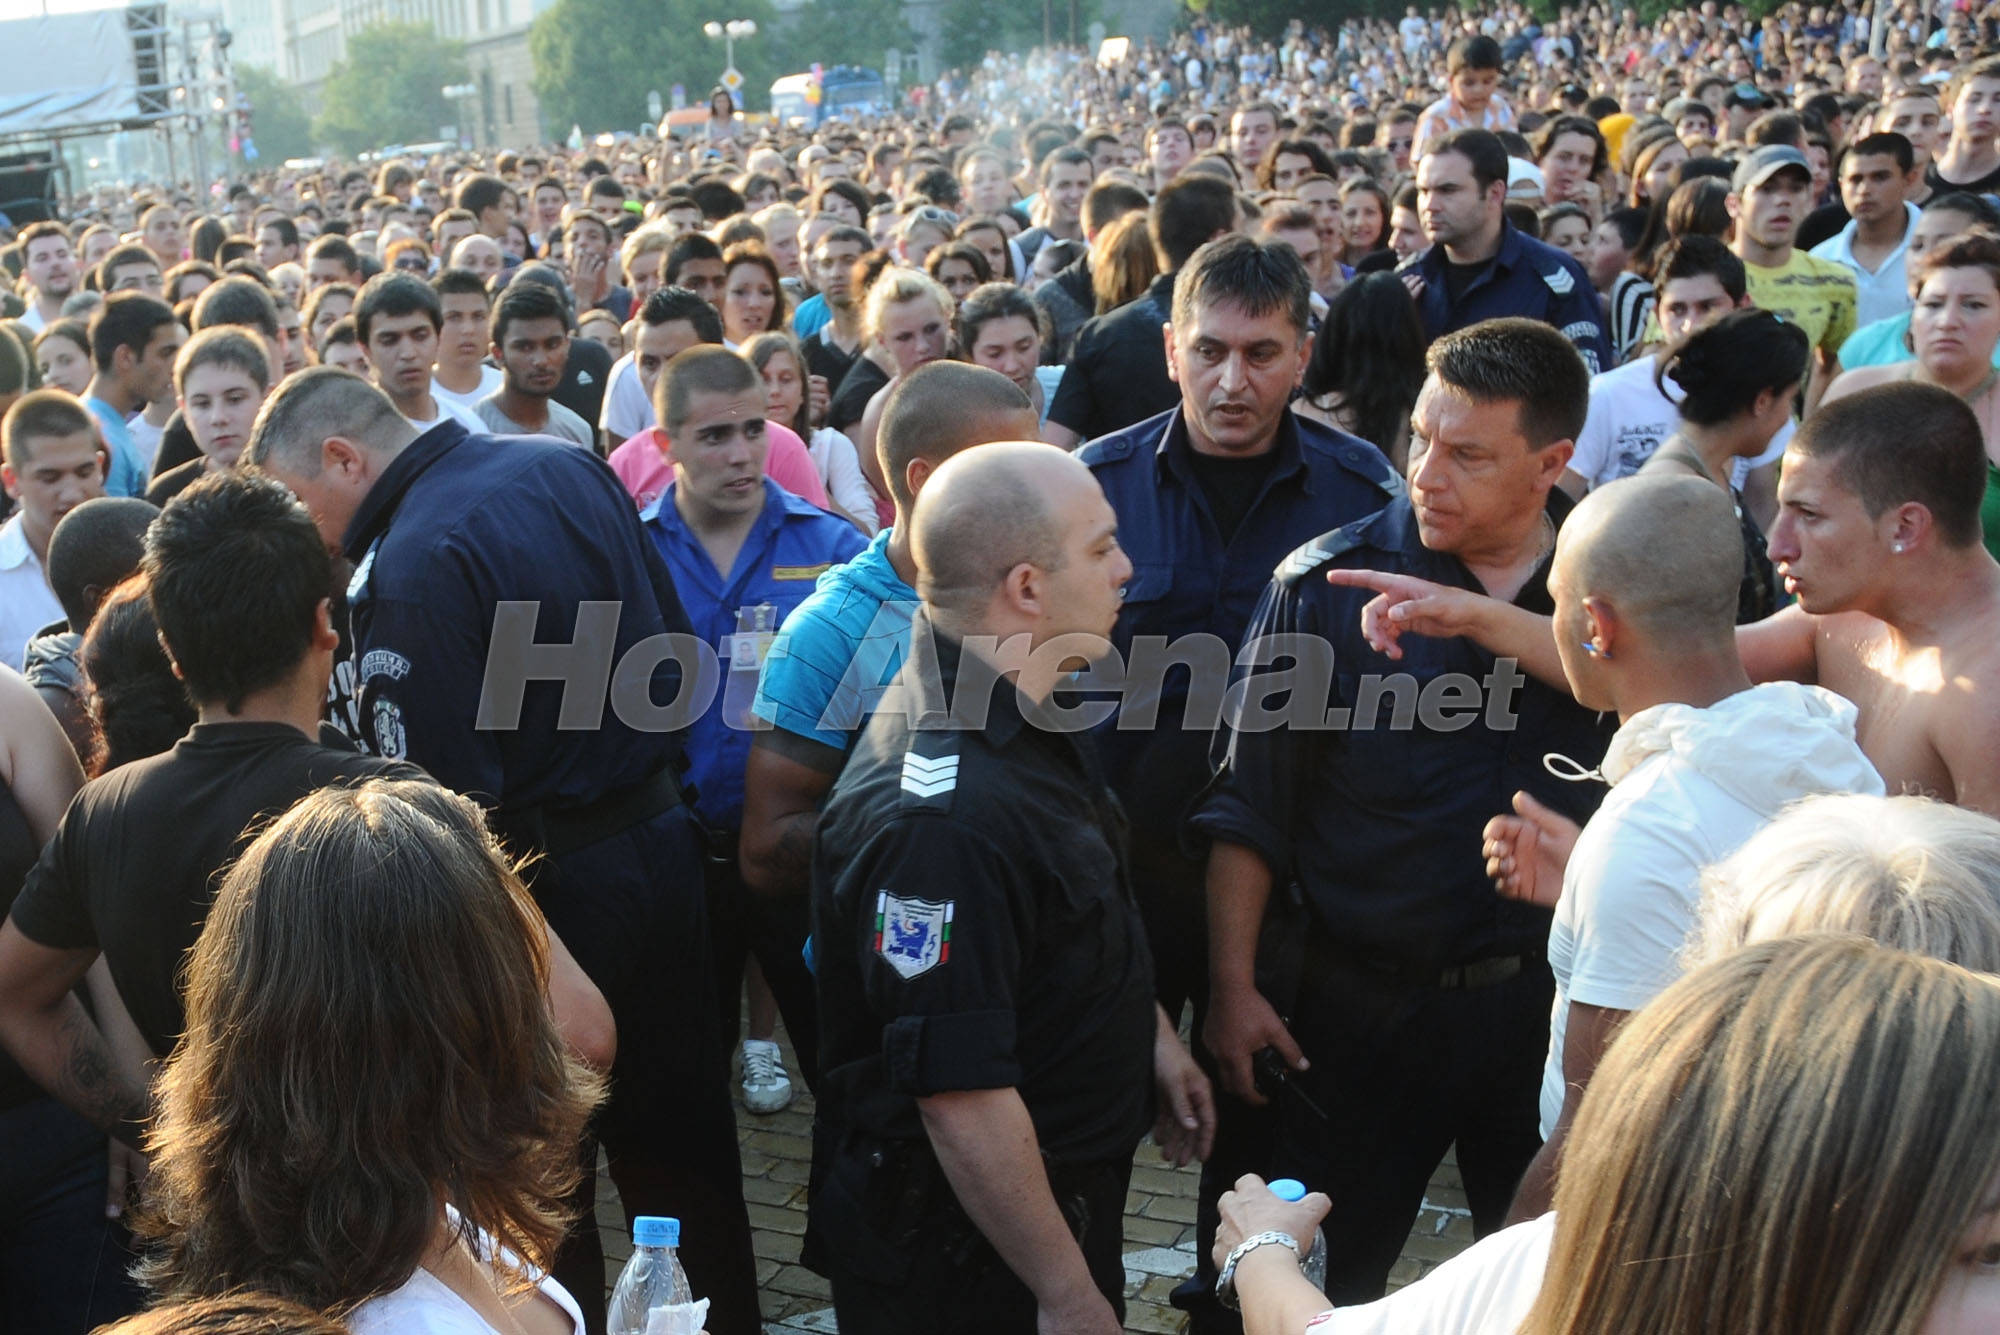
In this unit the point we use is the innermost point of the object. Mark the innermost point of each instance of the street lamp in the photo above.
(728, 33)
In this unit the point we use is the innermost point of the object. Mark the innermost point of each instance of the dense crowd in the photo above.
(1468, 628)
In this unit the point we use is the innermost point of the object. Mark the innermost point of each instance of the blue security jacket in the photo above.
(1377, 810)
(1526, 278)
(458, 524)
(1187, 580)
(793, 544)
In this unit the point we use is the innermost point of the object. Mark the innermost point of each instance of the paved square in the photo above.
(1159, 1224)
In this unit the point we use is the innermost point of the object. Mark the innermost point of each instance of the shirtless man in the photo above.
(1878, 538)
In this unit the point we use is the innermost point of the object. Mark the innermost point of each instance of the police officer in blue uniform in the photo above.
(744, 552)
(991, 1045)
(482, 562)
(1479, 266)
(1352, 922)
(1210, 496)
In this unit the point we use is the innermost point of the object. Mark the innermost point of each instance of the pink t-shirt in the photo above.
(641, 464)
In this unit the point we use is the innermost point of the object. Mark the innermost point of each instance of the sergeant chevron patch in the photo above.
(924, 777)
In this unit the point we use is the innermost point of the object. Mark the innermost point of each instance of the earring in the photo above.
(1594, 651)
(1897, 549)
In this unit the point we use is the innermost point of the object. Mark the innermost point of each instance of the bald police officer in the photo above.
(991, 1047)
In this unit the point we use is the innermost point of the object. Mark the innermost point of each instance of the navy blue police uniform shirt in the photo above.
(974, 921)
(1379, 820)
(1189, 576)
(1527, 278)
(457, 524)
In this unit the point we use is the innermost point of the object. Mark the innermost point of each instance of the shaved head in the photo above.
(944, 407)
(1665, 552)
(986, 512)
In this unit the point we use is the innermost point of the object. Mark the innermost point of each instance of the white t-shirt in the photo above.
(490, 380)
(1630, 417)
(839, 466)
(1486, 1289)
(27, 603)
(627, 411)
(1688, 787)
(447, 409)
(425, 1305)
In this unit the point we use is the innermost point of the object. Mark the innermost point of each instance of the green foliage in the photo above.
(842, 32)
(595, 60)
(390, 89)
(971, 28)
(279, 124)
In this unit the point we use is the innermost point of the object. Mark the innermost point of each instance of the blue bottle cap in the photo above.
(1288, 1189)
(651, 1230)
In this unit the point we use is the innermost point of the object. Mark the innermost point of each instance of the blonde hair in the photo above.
(896, 286)
(651, 237)
(1909, 872)
(1790, 1140)
(1123, 263)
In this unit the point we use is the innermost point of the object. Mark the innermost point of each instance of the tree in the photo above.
(971, 28)
(842, 32)
(390, 89)
(279, 125)
(595, 60)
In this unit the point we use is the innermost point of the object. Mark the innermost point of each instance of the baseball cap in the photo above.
(1746, 95)
(1761, 164)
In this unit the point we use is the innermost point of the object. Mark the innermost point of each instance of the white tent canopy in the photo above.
(66, 71)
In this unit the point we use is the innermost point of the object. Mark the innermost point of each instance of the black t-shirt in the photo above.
(851, 394)
(175, 480)
(1823, 224)
(1458, 277)
(132, 869)
(824, 359)
(176, 447)
(1231, 485)
(1984, 185)
(584, 377)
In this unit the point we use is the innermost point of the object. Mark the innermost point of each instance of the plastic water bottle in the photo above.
(652, 1296)
(1314, 1266)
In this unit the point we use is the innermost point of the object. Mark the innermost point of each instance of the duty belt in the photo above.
(1466, 977)
(566, 829)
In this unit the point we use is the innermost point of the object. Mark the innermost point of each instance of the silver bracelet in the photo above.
(1225, 1282)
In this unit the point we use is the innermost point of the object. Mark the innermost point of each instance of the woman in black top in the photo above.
(1741, 376)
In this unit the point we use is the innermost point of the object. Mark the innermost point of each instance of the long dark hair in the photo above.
(138, 707)
(1370, 351)
(367, 1041)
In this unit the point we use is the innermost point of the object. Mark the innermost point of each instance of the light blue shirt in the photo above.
(128, 475)
(1880, 295)
(811, 316)
(839, 650)
(1882, 344)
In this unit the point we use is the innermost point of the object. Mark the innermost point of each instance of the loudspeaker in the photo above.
(28, 187)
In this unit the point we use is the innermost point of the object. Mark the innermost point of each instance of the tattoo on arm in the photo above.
(89, 1081)
(791, 852)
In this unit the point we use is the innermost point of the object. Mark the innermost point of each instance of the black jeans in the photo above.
(953, 1282)
(62, 1263)
(1403, 1072)
(633, 910)
(742, 923)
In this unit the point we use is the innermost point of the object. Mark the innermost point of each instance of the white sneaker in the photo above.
(766, 1087)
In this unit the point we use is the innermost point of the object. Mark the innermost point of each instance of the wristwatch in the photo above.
(1225, 1282)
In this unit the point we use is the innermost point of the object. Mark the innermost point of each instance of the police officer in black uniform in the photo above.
(453, 537)
(1347, 824)
(990, 1043)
